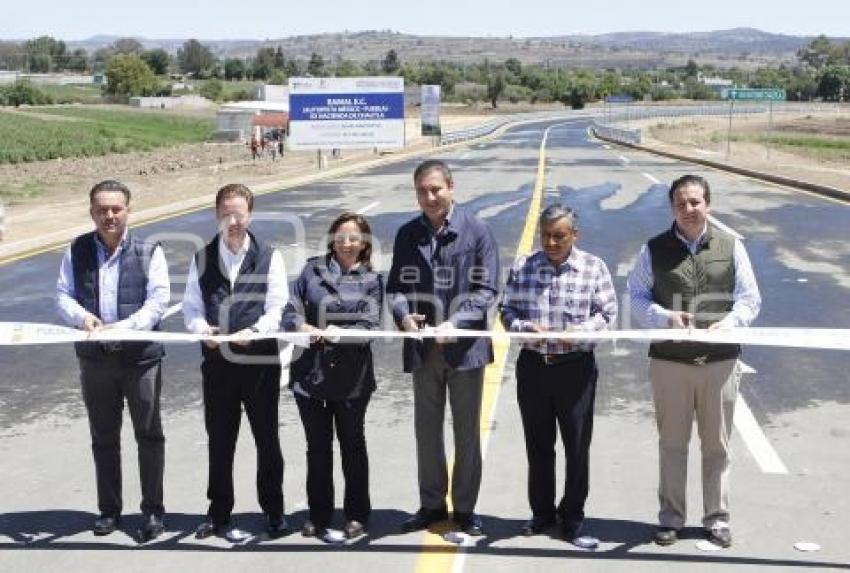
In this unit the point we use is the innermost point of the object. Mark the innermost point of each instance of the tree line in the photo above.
(822, 71)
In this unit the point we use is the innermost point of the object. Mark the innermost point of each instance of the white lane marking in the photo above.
(714, 221)
(624, 159)
(172, 310)
(651, 178)
(746, 368)
(758, 444)
(368, 207)
(606, 146)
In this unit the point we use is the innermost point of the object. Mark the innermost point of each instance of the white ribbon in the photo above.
(25, 333)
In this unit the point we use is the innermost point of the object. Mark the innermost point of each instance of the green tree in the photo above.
(347, 69)
(157, 60)
(45, 54)
(691, 69)
(78, 61)
(495, 87)
(514, 66)
(834, 83)
(279, 61)
(212, 90)
(264, 63)
(818, 53)
(278, 78)
(23, 93)
(195, 59)
(129, 75)
(316, 66)
(234, 69)
(391, 64)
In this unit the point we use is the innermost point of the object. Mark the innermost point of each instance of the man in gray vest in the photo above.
(693, 276)
(110, 278)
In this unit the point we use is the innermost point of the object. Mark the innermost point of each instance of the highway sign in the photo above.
(346, 113)
(754, 94)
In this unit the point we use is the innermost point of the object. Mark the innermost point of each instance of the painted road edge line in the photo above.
(758, 444)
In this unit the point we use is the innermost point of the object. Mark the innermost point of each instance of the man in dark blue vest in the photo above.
(112, 279)
(237, 285)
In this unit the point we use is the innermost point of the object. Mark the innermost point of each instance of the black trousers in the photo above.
(319, 418)
(106, 383)
(227, 387)
(562, 394)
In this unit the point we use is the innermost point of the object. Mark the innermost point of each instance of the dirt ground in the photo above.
(707, 138)
(44, 200)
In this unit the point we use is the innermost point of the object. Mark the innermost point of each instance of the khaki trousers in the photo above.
(680, 393)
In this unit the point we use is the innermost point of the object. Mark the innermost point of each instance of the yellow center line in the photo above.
(438, 555)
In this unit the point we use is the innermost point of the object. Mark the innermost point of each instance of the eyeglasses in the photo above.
(350, 237)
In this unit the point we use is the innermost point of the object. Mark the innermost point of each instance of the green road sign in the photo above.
(754, 94)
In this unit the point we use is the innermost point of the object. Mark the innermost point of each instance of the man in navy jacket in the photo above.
(444, 275)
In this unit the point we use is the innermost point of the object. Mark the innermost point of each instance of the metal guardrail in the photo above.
(610, 125)
(623, 135)
(491, 126)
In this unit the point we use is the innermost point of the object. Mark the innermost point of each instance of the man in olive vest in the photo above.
(112, 279)
(693, 276)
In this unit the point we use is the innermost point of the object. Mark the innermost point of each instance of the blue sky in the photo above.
(258, 19)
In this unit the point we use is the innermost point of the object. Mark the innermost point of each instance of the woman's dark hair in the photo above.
(365, 257)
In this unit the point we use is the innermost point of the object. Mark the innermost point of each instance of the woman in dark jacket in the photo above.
(333, 379)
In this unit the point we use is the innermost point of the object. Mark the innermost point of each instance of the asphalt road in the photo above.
(798, 398)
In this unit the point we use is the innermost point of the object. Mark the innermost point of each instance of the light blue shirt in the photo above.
(158, 291)
(746, 299)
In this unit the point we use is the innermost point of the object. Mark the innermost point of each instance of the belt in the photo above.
(561, 358)
(111, 347)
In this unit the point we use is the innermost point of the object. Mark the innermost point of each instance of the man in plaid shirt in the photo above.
(558, 289)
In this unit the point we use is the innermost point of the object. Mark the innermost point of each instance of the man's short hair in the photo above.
(685, 180)
(556, 211)
(109, 185)
(234, 190)
(430, 164)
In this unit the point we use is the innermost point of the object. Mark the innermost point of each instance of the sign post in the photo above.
(769, 95)
(429, 111)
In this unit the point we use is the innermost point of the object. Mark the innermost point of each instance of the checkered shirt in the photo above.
(578, 293)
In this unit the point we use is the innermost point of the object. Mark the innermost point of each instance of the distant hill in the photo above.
(738, 47)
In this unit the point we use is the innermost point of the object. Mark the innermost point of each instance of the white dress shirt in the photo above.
(158, 291)
(746, 299)
(277, 291)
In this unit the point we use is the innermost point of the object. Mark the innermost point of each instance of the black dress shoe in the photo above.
(152, 528)
(276, 527)
(719, 536)
(423, 518)
(208, 528)
(353, 529)
(571, 529)
(310, 529)
(666, 536)
(106, 524)
(537, 525)
(469, 523)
